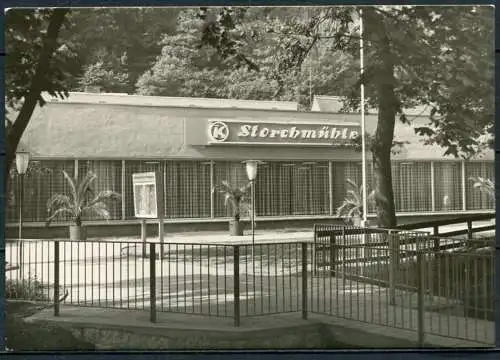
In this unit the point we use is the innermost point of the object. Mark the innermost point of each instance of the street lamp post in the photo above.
(22, 162)
(252, 175)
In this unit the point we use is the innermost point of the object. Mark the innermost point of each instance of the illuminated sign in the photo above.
(240, 132)
(148, 195)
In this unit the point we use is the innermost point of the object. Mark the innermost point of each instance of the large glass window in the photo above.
(234, 173)
(292, 188)
(109, 177)
(43, 179)
(448, 183)
(187, 189)
(412, 186)
(477, 200)
(341, 171)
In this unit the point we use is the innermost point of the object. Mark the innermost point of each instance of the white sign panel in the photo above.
(145, 195)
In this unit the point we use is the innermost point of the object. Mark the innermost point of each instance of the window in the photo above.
(448, 182)
(412, 186)
(475, 199)
(187, 189)
(109, 177)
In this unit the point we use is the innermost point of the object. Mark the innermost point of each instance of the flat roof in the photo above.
(164, 101)
(108, 126)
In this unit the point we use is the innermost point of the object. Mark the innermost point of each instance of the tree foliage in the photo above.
(189, 66)
(443, 59)
(36, 62)
(58, 50)
(116, 45)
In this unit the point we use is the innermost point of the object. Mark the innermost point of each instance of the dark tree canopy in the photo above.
(443, 58)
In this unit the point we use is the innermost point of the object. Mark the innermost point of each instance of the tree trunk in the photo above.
(16, 130)
(384, 135)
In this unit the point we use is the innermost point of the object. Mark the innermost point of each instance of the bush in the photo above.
(25, 289)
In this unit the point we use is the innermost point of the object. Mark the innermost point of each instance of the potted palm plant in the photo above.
(352, 207)
(236, 199)
(484, 185)
(81, 200)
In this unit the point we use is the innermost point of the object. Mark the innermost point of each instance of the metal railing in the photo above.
(467, 219)
(384, 277)
(231, 281)
(407, 280)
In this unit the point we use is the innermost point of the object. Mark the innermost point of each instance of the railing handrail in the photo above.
(457, 220)
(139, 242)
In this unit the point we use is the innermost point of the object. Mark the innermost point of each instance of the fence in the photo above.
(229, 281)
(407, 280)
(385, 277)
(313, 188)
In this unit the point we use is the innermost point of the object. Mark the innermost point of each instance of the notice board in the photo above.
(148, 195)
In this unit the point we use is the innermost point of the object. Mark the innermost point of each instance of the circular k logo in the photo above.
(218, 131)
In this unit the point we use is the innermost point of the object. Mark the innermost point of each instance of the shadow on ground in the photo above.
(21, 336)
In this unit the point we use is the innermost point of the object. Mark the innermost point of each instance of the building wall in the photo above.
(283, 188)
(115, 140)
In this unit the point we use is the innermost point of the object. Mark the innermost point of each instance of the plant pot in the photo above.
(356, 221)
(77, 233)
(236, 228)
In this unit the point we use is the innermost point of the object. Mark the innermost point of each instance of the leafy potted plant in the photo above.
(81, 200)
(352, 207)
(236, 199)
(484, 185)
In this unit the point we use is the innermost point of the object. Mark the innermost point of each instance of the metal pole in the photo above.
(421, 299)
(236, 285)
(304, 281)
(253, 226)
(56, 278)
(21, 195)
(363, 140)
(152, 283)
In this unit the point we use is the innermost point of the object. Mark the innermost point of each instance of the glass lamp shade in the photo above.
(252, 169)
(22, 161)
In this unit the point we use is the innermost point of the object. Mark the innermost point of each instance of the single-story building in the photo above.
(197, 143)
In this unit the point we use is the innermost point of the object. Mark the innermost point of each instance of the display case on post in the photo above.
(149, 203)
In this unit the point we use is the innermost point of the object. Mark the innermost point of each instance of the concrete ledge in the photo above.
(131, 329)
(124, 329)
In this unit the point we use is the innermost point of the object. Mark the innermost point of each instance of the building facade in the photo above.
(197, 143)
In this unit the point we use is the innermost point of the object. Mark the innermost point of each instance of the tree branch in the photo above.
(37, 85)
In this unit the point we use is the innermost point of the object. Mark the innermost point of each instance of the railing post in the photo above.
(56, 278)
(333, 256)
(469, 230)
(421, 305)
(236, 284)
(437, 243)
(343, 257)
(304, 281)
(314, 247)
(152, 282)
(393, 265)
(144, 238)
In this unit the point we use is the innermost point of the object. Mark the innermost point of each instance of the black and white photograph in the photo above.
(249, 178)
